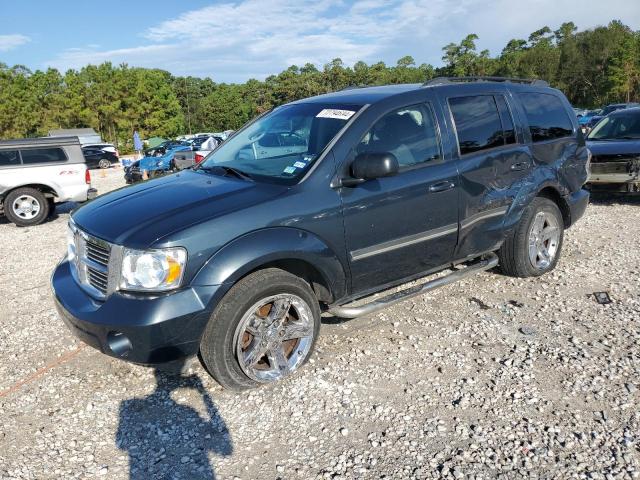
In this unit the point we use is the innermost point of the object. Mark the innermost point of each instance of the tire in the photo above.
(17, 203)
(241, 320)
(104, 163)
(523, 252)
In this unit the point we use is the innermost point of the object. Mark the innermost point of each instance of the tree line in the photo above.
(592, 67)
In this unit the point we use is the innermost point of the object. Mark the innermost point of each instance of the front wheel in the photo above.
(534, 247)
(263, 330)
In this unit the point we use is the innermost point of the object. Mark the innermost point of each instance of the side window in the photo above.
(508, 130)
(9, 158)
(477, 123)
(42, 155)
(546, 115)
(408, 132)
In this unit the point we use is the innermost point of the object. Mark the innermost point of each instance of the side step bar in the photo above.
(345, 311)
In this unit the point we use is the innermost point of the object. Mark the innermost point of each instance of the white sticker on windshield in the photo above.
(333, 113)
(299, 164)
(289, 170)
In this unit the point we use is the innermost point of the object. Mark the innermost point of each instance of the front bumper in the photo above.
(141, 329)
(577, 203)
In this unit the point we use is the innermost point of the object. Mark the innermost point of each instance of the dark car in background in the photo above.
(594, 119)
(235, 259)
(615, 146)
(97, 157)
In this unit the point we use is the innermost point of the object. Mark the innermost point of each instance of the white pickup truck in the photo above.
(36, 173)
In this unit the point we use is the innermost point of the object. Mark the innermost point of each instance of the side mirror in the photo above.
(369, 166)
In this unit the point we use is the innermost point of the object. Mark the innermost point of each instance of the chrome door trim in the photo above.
(402, 242)
(483, 215)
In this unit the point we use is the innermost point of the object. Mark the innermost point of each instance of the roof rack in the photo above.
(450, 80)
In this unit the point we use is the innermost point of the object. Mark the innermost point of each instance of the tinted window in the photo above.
(546, 116)
(9, 158)
(42, 155)
(409, 133)
(477, 123)
(509, 133)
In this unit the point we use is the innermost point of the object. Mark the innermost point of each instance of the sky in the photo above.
(234, 40)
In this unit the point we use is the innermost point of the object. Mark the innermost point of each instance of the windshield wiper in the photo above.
(228, 170)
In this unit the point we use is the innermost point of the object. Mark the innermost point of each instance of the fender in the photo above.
(529, 189)
(268, 245)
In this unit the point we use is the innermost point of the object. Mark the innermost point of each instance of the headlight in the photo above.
(71, 241)
(152, 270)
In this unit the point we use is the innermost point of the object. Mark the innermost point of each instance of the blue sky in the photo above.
(235, 40)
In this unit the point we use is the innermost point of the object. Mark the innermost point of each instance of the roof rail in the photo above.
(450, 80)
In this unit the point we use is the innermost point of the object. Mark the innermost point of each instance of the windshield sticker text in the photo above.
(333, 113)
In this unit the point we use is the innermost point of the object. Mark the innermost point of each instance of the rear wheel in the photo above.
(26, 207)
(534, 247)
(104, 163)
(262, 331)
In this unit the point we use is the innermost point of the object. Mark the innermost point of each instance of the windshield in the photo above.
(282, 145)
(617, 127)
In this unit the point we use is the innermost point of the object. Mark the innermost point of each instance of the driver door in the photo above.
(397, 227)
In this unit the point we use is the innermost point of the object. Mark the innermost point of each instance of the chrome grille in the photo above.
(93, 258)
(97, 252)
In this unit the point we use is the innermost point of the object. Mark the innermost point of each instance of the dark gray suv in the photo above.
(236, 259)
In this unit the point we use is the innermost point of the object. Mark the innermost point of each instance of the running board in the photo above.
(476, 266)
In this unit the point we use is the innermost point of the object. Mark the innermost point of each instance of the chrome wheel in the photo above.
(26, 207)
(274, 337)
(104, 163)
(544, 239)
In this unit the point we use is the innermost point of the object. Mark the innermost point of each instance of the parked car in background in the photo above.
(162, 148)
(98, 157)
(35, 173)
(187, 159)
(615, 146)
(584, 120)
(235, 260)
(607, 110)
(154, 166)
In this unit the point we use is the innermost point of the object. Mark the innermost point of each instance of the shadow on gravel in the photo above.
(169, 440)
(603, 198)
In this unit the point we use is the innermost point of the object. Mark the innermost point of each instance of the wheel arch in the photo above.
(296, 251)
(553, 194)
(48, 190)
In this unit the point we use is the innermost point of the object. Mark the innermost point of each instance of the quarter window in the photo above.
(546, 115)
(477, 123)
(42, 155)
(409, 133)
(9, 158)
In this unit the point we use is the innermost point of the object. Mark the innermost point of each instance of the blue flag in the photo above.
(137, 144)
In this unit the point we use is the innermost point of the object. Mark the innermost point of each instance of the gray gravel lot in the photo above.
(490, 377)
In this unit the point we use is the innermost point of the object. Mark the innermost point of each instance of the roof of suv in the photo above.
(369, 95)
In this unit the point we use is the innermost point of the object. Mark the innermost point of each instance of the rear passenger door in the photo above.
(493, 163)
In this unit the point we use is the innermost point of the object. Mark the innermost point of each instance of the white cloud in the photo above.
(256, 38)
(9, 42)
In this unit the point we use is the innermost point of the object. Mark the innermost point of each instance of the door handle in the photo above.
(441, 186)
(519, 166)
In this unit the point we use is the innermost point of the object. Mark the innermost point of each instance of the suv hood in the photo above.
(139, 215)
(615, 148)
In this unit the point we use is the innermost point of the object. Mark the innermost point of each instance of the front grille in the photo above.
(92, 263)
(97, 252)
(98, 279)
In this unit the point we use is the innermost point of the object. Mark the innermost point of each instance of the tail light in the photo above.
(87, 177)
(198, 158)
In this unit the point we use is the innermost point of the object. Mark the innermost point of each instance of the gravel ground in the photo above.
(490, 377)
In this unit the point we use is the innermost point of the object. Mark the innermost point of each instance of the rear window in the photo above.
(42, 155)
(477, 123)
(546, 115)
(9, 158)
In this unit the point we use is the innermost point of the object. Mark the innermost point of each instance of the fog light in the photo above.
(119, 343)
